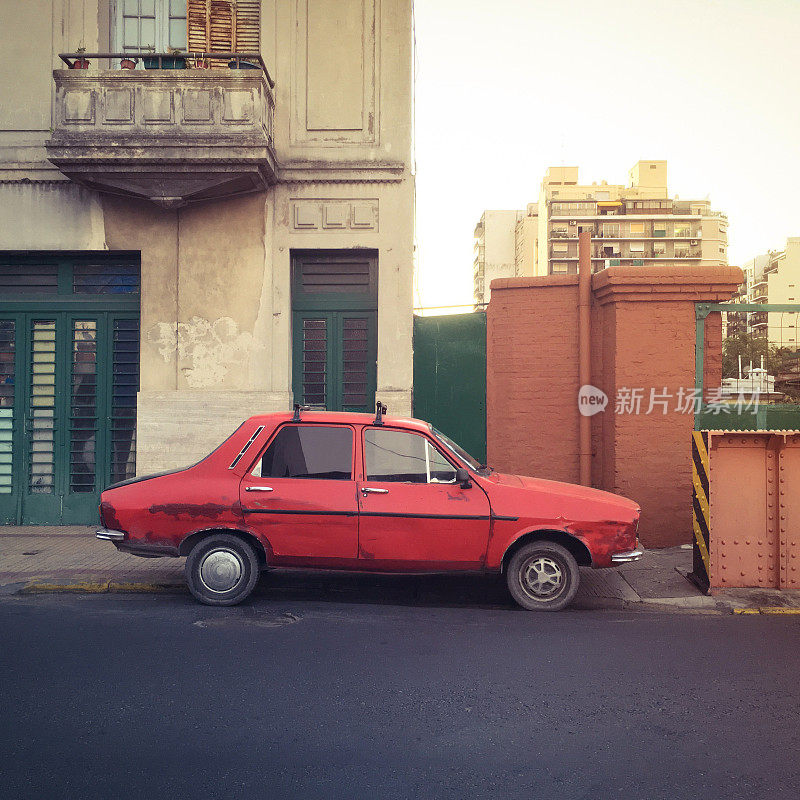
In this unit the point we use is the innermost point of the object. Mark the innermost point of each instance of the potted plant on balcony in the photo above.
(173, 61)
(150, 62)
(238, 63)
(80, 62)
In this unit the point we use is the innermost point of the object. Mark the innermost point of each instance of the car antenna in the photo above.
(297, 409)
(380, 410)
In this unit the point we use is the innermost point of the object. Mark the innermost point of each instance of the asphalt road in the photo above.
(123, 696)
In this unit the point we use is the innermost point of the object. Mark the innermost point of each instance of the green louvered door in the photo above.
(68, 386)
(69, 374)
(335, 329)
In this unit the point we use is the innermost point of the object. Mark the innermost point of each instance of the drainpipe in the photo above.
(584, 350)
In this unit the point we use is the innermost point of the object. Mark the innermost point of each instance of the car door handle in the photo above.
(258, 489)
(365, 490)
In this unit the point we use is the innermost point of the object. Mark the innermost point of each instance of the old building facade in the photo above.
(215, 232)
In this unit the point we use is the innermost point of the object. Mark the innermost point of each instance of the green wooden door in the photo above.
(69, 372)
(334, 358)
(67, 412)
(335, 330)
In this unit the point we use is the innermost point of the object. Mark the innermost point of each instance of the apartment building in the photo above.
(207, 213)
(637, 224)
(496, 252)
(773, 278)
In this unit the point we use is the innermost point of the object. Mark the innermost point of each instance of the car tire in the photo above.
(222, 570)
(543, 576)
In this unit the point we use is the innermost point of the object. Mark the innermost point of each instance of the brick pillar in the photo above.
(648, 340)
(643, 337)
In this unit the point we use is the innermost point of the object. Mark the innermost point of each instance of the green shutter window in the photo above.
(69, 373)
(335, 324)
(7, 360)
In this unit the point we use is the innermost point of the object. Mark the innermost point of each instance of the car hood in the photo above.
(566, 500)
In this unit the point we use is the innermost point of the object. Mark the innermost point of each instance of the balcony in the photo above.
(173, 136)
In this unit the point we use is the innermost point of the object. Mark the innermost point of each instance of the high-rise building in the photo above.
(636, 225)
(495, 251)
(772, 278)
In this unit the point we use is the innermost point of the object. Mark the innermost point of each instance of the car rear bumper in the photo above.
(108, 535)
(626, 557)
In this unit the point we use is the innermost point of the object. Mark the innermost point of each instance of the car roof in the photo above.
(342, 418)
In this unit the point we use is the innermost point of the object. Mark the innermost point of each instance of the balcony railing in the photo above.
(195, 129)
(175, 59)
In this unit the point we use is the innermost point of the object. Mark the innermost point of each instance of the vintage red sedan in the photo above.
(345, 491)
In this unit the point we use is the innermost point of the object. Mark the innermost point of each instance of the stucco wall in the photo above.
(51, 215)
(216, 300)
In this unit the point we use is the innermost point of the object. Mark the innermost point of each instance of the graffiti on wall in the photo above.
(210, 348)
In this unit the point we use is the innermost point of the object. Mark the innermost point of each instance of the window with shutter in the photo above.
(224, 26)
(142, 24)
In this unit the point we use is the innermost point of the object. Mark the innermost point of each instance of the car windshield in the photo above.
(457, 450)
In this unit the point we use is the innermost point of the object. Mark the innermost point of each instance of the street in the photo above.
(299, 695)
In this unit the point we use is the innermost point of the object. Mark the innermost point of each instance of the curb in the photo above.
(103, 587)
(680, 605)
(767, 610)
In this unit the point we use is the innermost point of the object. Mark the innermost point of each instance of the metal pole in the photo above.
(584, 349)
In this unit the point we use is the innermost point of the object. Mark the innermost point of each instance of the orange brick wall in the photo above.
(654, 350)
(532, 384)
(643, 336)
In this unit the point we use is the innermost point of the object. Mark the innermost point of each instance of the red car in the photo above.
(351, 492)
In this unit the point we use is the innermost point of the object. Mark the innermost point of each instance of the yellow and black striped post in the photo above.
(700, 509)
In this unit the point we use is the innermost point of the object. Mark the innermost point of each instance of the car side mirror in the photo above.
(462, 478)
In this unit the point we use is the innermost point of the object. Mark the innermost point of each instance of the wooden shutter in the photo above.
(247, 32)
(220, 26)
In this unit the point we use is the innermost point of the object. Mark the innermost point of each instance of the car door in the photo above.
(301, 495)
(412, 513)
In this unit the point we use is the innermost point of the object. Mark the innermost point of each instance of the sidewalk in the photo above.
(70, 559)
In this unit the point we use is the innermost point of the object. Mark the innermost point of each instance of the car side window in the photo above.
(400, 457)
(440, 470)
(309, 451)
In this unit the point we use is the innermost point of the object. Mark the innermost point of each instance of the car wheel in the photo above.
(221, 570)
(543, 576)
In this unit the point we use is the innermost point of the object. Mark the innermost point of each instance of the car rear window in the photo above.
(309, 451)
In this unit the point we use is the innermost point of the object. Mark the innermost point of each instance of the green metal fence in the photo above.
(450, 377)
(764, 416)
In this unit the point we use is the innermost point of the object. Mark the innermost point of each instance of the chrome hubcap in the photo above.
(542, 577)
(221, 570)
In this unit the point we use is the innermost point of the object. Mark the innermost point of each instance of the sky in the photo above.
(507, 88)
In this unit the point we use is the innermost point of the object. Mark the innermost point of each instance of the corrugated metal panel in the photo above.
(450, 377)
